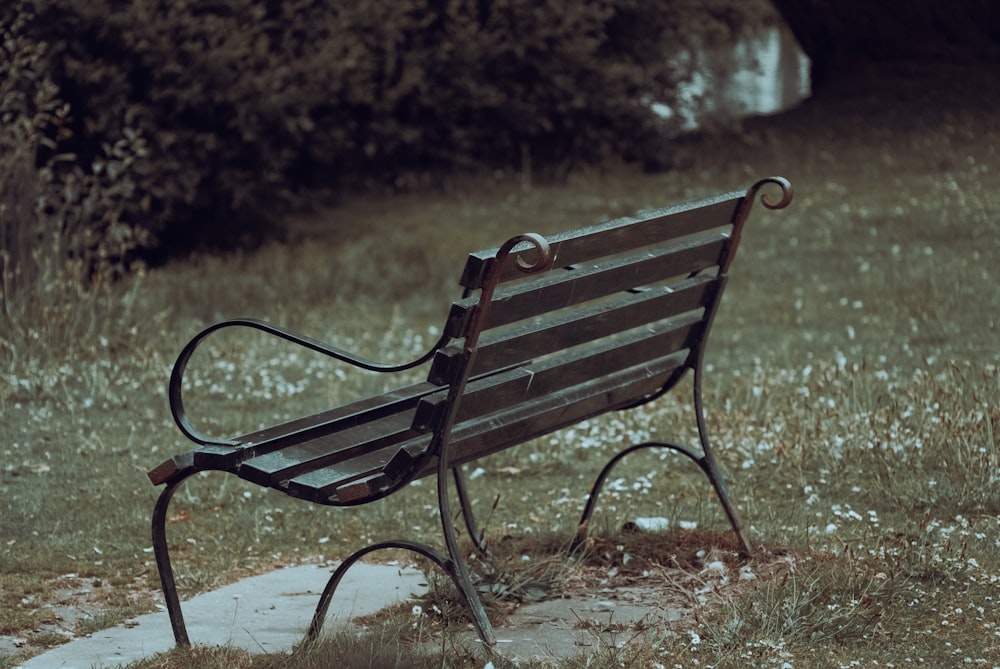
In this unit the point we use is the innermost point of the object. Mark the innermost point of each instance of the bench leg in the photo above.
(457, 570)
(162, 553)
(707, 464)
(475, 533)
(711, 468)
(449, 566)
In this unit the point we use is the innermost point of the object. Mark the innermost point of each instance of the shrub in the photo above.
(189, 120)
(55, 207)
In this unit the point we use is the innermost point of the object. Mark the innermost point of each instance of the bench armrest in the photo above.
(175, 390)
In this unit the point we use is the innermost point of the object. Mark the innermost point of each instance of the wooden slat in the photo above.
(487, 434)
(359, 411)
(538, 337)
(276, 437)
(493, 432)
(361, 490)
(168, 469)
(328, 484)
(532, 381)
(558, 289)
(619, 235)
(274, 468)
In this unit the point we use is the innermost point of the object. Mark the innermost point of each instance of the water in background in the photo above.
(765, 71)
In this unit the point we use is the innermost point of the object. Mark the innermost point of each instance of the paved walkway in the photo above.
(270, 613)
(265, 613)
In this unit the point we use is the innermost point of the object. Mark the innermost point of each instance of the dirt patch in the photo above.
(74, 606)
(627, 590)
(614, 606)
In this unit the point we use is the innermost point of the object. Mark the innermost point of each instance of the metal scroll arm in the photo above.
(442, 433)
(542, 261)
(746, 204)
(781, 182)
(175, 390)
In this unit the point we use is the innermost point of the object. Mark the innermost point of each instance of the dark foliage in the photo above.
(187, 120)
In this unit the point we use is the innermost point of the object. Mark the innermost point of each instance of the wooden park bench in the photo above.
(549, 332)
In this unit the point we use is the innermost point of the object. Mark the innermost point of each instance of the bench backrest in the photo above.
(550, 332)
(622, 309)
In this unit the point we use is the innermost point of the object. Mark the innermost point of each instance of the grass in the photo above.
(853, 395)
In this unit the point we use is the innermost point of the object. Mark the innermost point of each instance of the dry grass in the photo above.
(853, 396)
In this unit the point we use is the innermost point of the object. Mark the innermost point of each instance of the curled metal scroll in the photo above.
(542, 261)
(543, 254)
(175, 389)
(781, 182)
(746, 204)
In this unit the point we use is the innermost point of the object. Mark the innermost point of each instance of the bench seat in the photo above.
(359, 452)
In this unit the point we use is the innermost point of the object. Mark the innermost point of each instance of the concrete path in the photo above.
(271, 612)
(265, 613)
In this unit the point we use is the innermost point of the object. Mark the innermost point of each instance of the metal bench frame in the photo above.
(458, 374)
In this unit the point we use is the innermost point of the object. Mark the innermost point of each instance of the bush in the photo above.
(62, 229)
(57, 212)
(191, 120)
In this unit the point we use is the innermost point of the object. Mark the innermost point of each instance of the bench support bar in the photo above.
(705, 460)
(447, 564)
(162, 553)
(475, 534)
(453, 567)
(707, 465)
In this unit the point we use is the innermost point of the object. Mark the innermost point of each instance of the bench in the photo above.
(548, 332)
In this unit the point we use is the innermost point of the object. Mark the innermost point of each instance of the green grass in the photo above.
(853, 396)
